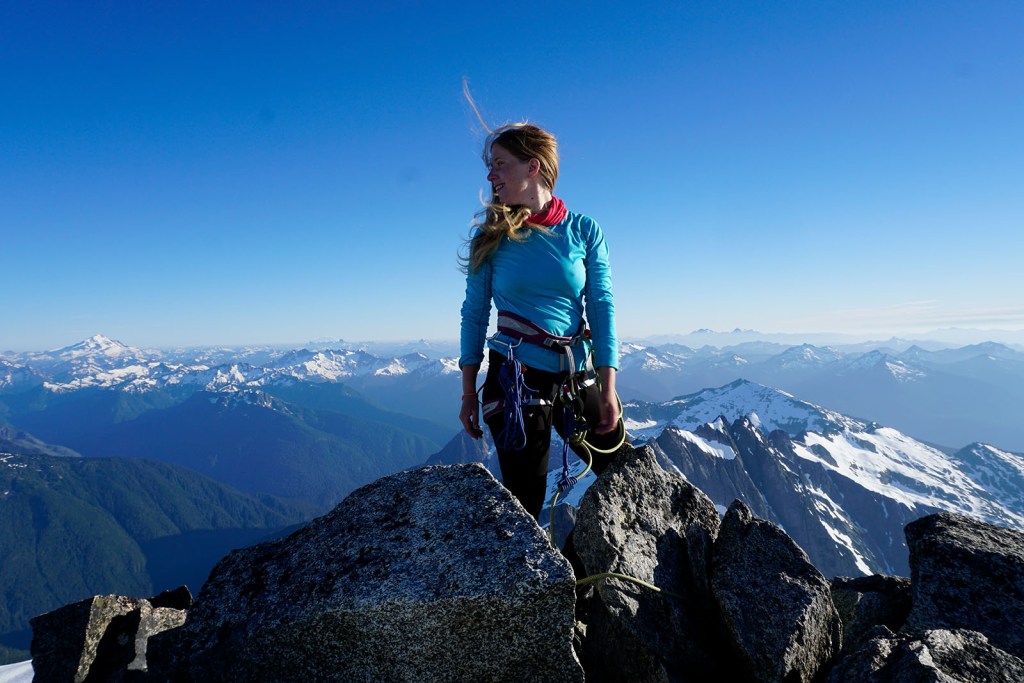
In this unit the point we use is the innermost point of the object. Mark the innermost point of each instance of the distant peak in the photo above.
(738, 330)
(98, 344)
(97, 340)
(103, 340)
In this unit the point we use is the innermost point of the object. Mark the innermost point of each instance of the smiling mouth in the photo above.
(497, 188)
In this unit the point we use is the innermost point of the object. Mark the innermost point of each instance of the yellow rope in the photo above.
(577, 440)
(615, 575)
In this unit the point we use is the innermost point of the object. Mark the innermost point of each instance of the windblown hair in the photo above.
(524, 141)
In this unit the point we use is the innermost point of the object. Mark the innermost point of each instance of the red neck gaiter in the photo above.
(553, 215)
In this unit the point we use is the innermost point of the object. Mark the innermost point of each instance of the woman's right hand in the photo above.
(470, 416)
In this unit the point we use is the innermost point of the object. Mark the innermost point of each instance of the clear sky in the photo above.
(189, 173)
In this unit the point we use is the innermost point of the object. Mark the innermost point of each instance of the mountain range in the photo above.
(947, 396)
(288, 427)
(937, 393)
(284, 434)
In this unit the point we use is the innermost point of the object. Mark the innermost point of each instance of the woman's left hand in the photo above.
(609, 409)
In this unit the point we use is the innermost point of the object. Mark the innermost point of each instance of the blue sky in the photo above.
(225, 173)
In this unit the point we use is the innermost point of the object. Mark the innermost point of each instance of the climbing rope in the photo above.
(517, 395)
(615, 575)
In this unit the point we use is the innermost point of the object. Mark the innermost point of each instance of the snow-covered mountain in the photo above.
(936, 339)
(948, 396)
(842, 487)
(766, 408)
(98, 353)
(14, 375)
(431, 348)
(100, 362)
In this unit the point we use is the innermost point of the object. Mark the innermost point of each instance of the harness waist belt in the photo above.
(537, 401)
(519, 327)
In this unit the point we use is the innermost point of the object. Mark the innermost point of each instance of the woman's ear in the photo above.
(533, 168)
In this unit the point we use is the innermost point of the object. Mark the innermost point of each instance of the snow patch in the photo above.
(634, 425)
(846, 542)
(712, 449)
(903, 372)
(902, 469)
(21, 672)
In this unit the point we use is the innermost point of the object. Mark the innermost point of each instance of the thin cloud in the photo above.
(911, 315)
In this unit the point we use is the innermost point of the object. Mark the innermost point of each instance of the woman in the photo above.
(543, 266)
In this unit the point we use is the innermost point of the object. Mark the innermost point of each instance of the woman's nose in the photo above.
(491, 177)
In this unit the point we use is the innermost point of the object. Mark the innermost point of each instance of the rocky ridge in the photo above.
(438, 574)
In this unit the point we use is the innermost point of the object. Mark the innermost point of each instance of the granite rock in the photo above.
(435, 574)
(931, 656)
(777, 607)
(640, 521)
(966, 574)
(864, 602)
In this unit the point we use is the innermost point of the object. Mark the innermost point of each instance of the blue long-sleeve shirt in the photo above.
(549, 280)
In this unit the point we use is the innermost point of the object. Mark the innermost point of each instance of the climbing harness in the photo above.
(568, 403)
(518, 327)
(568, 412)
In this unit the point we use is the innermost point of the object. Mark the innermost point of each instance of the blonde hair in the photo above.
(496, 220)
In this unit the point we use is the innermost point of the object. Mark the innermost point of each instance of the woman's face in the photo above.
(510, 177)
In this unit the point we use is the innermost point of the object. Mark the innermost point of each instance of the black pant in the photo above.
(524, 471)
